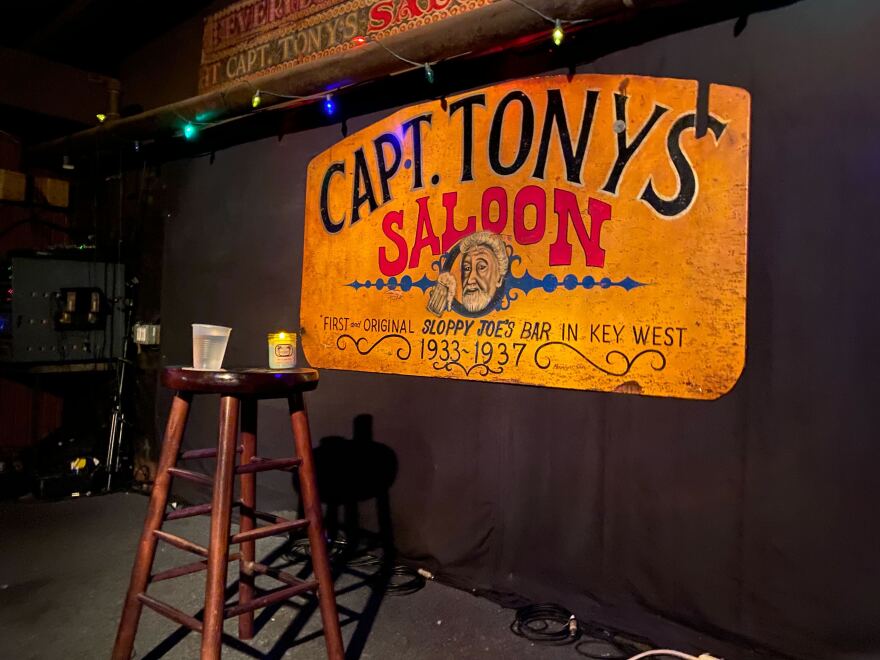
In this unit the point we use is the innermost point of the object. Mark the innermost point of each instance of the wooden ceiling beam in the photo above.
(481, 30)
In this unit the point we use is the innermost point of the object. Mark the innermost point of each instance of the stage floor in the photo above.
(64, 569)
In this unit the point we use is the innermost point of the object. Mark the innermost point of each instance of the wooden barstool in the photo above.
(240, 389)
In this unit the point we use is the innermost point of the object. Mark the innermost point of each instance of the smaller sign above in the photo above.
(253, 38)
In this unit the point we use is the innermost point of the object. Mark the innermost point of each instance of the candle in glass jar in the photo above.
(282, 350)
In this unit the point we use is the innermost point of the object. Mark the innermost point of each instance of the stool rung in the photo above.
(202, 453)
(171, 612)
(277, 573)
(181, 543)
(262, 515)
(188, 511)
(186, 569)
(269, 598)
(262, 464)
(189, 475)
(269, 530)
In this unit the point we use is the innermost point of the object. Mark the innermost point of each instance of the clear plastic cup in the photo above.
(209, 346)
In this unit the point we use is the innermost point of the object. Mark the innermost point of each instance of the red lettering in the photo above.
(386, 265)
(245, 19)
(498, 195)
(452, 234)
(425, 236)
(381, 15)
(565, 205)
(260, 13)
(408, 9)
(529, 196)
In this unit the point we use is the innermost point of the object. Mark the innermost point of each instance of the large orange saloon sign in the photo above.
(571, 232)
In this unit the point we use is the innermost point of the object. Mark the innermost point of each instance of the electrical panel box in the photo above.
(61, 310)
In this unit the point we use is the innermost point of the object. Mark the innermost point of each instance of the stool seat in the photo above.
(257, 383)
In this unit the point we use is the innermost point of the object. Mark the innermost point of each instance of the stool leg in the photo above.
(143, 564)
(221, 510)
(299, 422)
(247, 521)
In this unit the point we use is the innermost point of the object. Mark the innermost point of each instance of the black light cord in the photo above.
(402, 579)
(551, 19)
(548, 623)
(545, 623)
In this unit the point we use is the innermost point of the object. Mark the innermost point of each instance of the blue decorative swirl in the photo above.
(505, 294)
(551, 283)
(526, 283)
(405, 284)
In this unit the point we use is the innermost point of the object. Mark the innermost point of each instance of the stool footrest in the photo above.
(193, 454)
(186, 569)
(262, 464)
(195, 477)
(261, 515)
(189, 511)
(269, 598)
(277, 573)
(269, 530)
(170, 612)
(181, 543)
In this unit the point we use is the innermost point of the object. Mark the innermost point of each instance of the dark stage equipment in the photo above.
(60, 310)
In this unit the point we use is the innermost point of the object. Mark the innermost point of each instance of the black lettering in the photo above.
(573, 156)
(687, 179)
(640, 335)
(386, 172)
(329, 224)
(467, 131)
(525, 138)
(416, 124)
(625, 151)
(361, 179)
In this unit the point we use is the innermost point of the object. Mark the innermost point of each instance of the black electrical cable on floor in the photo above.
(301, 549)
(404, 581)
(401, 579)
(545, 623)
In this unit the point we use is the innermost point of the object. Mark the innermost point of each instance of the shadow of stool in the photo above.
(351, 471)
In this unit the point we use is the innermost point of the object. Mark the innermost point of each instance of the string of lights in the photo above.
(429, 72)
(190, 128)
(558, 34)
(257, 98)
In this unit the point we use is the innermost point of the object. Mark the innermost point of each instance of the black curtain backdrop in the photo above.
(753, 516)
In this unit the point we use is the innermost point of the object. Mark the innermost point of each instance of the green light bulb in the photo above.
(256, 100)
(429, 73)
(557, 33)
(190, 131)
